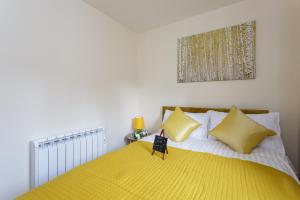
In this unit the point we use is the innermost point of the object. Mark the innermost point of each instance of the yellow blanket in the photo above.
(132, 173)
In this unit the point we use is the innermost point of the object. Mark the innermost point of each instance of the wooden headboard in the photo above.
(204, 110)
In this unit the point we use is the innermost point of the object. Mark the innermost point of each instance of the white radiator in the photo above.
(53, 156)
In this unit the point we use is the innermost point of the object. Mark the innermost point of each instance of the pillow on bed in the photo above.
(179, 126)
(240, 132)
(201, 118)
(269, 120)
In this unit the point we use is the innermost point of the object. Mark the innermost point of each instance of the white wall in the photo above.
(276, 83)
(63, 66)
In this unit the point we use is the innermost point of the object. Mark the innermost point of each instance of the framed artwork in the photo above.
(224, 54)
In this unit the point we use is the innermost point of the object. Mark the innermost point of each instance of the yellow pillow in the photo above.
(240, 132)
(179, 126)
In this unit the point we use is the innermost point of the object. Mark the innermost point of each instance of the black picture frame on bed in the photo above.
(160, 145)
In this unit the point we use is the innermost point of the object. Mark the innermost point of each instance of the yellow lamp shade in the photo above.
(138, 123)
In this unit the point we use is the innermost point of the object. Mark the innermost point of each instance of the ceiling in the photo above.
(142, 15)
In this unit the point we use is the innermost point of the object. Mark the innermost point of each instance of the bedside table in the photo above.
(130, 138)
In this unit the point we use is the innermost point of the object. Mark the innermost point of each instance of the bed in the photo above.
(193, 169)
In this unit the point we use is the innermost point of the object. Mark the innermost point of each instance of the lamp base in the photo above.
(140, 133)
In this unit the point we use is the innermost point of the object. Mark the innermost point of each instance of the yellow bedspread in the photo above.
(132, 173)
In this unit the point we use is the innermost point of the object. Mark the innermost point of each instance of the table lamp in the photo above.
(138, 126)
(138, 123)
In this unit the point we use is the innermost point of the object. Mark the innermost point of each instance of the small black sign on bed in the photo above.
(160, 145)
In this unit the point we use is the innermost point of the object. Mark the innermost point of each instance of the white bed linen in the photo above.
(266, 157)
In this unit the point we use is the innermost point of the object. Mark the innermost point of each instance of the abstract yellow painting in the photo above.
(224, 54)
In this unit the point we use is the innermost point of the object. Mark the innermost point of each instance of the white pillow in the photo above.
(273, 143)
(215, 118)
(202, 118)
(268, 120)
